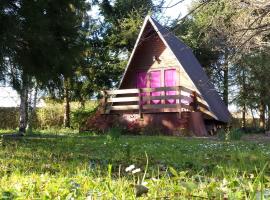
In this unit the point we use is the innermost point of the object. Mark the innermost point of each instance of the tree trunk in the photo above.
(244, 96)
(253, 118)
(23, 109)
(67, 104)
(243, 125)
(32, 112)
(262, 115)
(268, 117)
(225, 79)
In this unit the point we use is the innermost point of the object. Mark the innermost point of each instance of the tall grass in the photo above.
(70, 167)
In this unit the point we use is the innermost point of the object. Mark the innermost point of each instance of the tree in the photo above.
(45, 44)
(120, 28)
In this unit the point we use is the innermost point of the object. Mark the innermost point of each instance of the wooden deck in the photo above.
(141, 101)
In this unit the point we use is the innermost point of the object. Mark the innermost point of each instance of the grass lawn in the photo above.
(46, 166)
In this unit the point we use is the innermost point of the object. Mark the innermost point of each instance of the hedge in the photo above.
(49, 116)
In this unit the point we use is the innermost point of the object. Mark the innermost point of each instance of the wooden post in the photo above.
(180, 107)
(164, 100)
(140, 103)
(195, 101)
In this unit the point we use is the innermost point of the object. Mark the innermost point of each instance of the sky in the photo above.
(10, 98)
(179, 9)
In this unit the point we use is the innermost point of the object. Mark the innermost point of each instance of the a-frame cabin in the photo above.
(164, 86)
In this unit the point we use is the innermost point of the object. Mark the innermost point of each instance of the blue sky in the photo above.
(10, 98)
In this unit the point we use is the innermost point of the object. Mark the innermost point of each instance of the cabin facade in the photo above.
(164, 87)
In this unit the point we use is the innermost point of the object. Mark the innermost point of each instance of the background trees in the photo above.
(57, 46)
(231, 40)
(42, 43)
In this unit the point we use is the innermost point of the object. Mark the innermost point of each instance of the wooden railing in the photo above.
(141, 100)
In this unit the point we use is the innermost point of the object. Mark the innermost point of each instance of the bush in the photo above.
(79, 117)
(221, 134)
(236, 134)
(9, 118)
(51, 116)
(114, 133)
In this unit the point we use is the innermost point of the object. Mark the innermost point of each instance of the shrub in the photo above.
(79, 117)
(221, 134)
(114, 133)
(9, 118)
(49, 116)
(236, 134)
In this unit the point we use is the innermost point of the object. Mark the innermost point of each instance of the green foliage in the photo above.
(9, 118)
(89, 167)
(79, 116)
(236, 134)
(50, 116)
(221, 134)
(114, 133)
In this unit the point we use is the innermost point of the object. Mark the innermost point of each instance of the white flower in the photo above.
(136, 171)
(144, 183)
(130, 168)
(154, 179)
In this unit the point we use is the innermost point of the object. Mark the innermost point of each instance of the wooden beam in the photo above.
(140, 104)
(160, 106)
(125, 107)
(146, 98)
(122, 99)
(123, 91)
(160, 89)
(180, 107)
(207, 112)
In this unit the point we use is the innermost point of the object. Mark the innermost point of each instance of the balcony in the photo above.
(154, 100)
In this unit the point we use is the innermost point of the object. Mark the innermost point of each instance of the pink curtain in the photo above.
(142, 82)
(170, 80)
(155, 82)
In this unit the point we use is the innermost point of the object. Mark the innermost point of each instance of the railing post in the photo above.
(165, 94)
(104, 100)
(180, 107)
(195, 101)
(140, 103)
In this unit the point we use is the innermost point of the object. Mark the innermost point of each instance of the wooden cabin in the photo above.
(164, 86)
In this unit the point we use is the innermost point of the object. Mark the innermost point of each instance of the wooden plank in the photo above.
(202, 101)
(123, 91)
(125, 107)
(140, 104)
(146, 98)
(122, 99)
(160, 106)
(163, 110)
(207, 112)
(185, 89)
(203, 105)
(168, 97)
(160, 89)
(180, 107)
(182, 88)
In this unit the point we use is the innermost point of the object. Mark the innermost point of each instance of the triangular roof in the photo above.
(191, 66)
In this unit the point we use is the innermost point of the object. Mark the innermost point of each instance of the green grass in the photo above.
(45, 166)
